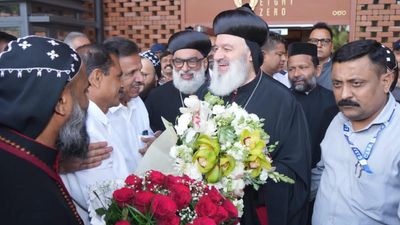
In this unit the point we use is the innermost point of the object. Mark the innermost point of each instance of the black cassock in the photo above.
(319, 107)
(163, 101)
(284, 122)
(31, 190)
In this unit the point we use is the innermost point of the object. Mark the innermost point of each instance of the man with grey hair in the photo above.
(76, 39)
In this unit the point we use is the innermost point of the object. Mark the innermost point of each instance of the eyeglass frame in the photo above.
(323, 41)
(192, 60)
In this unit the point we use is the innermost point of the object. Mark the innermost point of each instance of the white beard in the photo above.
(189, 86)
(236, 76)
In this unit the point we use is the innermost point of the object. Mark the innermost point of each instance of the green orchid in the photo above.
(227, 164)
(214, 175)
(252, 140)
(207, 150)
(256, 162)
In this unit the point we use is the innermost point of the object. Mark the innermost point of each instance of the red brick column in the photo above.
(379, 20)
(144, 21)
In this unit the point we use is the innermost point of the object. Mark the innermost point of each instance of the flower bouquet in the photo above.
(223, 145)
(167, 200)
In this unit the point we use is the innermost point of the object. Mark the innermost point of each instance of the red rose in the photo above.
(154, 178)
(173, 220)
(142, 201)
(230, 208)
(215, 196)
(122, 222)
(205, 207)
(220, 216)
(163, 207)
(123, 196)
(203, 221)
(181, 195)
(134, 181)
(171, 180)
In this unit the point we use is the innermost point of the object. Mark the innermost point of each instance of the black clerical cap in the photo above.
(243, 22)
(33, 73)
(302, 48)
(189, 39)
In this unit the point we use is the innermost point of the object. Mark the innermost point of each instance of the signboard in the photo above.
(274, 12)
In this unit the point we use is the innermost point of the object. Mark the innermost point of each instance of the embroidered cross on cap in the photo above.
(39, 56)
(33, 73)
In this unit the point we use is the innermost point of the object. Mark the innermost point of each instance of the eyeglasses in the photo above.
(191, 63)
(324, 41)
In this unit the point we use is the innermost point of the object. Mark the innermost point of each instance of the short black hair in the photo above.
(322, 25)
(164, 54)
(95, 56)
(360, 48)
(6, 37)
(272, 40)
(122, 47)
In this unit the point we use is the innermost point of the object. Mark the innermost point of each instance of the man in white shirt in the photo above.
(130, 120)
(275, 58)
(103, 93)
(359, 172)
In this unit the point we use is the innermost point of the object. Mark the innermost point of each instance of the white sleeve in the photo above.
(316, 174)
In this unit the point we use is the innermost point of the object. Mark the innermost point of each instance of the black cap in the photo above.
(241, 22)
(33, 73)
(396, 45)
(190, 39)
(302, 48)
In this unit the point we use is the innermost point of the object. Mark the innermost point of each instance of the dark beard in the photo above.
(73, 139)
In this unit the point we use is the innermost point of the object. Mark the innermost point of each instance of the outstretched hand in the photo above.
(97, 153)
(148, 141)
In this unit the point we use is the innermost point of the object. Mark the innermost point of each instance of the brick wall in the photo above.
(144, 21)
(379, 20)
(153, 21)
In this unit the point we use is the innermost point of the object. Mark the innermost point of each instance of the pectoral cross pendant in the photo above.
(358, 170)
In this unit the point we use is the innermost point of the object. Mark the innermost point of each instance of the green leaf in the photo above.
(101, 211)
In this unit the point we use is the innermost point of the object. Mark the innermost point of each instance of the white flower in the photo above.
(218, 109)
(264, 175)
(192, 171)
(239, 205)
(238, 187)
(254, 117)
(192, 103)
(183, 123)
(190, 135)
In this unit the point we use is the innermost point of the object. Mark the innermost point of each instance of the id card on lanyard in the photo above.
(362, 158)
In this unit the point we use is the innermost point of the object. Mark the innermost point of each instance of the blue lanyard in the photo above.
(363, 158)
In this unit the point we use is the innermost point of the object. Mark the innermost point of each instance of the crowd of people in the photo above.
(75, 113)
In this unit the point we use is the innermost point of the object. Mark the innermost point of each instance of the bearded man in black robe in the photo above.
(237, 78)
(43, 106)
(189, 50)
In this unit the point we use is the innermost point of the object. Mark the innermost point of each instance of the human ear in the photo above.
(387, 80)
(61, 107)
(95, 78)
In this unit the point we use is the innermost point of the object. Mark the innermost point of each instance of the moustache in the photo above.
(347, 102)
(169, 65)
(137, 84)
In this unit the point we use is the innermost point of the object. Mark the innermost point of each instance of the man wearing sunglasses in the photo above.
(189, 61)
(321, 35)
